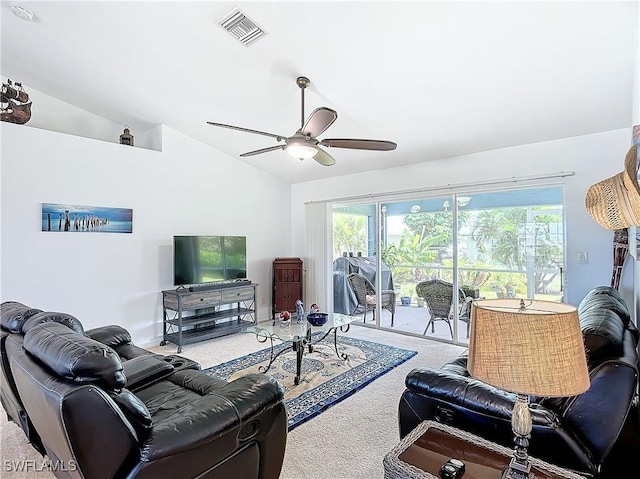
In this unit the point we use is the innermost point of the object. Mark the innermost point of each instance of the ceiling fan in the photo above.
(304, 143)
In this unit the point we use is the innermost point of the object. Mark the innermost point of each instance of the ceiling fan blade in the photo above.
(319, 120)
(379, 145)
(263, 150)
(247, 130)
(324, 158)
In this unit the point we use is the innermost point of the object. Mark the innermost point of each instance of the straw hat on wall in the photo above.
(615, 202)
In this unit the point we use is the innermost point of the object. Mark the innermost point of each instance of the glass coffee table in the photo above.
(300, 337)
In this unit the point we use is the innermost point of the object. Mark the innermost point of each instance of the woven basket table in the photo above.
(396, 468)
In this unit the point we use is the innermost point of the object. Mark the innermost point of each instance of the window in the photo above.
(489, 244)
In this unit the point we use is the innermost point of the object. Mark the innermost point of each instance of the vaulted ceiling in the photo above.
(441, 79)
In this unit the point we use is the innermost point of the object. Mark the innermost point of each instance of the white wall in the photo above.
(50, 113)
(190, 188)
(592, 158)
(106, 278)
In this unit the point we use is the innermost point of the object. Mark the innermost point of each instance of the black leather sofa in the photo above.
(101, 407)
(575, 432)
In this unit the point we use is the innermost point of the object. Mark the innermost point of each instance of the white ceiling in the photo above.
(441, 79)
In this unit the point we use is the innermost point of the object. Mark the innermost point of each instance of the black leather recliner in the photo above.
(140, 365)
(76, 395)
(574, 432)
(13, 315)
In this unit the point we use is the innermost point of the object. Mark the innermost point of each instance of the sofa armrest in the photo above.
(252, 394)
(145, 370)
(472, 394)
(112, 335)
(213, 415)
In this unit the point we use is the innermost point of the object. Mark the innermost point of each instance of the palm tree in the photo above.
(349, 233)
(497, 233)
(521, 238)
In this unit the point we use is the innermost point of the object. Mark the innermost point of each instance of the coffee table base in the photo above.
(300, 344)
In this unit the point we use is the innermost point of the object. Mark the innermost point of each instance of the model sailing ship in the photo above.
(16, 107)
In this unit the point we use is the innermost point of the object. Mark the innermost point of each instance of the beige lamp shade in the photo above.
(537, 350)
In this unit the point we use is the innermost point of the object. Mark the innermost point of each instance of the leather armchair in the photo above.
(13, 315)
(575, 432)
(104, 416)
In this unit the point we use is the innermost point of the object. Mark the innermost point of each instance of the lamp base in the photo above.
(520, 466)
(517, 470)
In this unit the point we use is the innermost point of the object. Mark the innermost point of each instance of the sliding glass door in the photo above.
(361, 286)
(480, 244)
(511, 245)
(418, 248)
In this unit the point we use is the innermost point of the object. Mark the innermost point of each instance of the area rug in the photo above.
(325, 378)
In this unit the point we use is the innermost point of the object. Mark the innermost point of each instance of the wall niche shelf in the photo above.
(55, 115)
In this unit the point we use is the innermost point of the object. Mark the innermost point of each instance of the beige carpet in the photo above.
(348, 441)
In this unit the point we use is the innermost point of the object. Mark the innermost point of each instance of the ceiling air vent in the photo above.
(242, 28)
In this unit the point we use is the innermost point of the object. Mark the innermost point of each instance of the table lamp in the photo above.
(527, 347)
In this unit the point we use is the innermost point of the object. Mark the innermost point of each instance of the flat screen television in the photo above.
(206, 259)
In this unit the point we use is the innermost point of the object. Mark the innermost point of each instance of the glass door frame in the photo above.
(377, 225)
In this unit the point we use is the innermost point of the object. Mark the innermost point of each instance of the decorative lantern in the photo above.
(126, 138)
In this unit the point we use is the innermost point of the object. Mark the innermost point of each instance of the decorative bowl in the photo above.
(317, 319)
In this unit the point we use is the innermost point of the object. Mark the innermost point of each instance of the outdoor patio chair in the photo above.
(501, 293)
(438, 296)
(366, 297)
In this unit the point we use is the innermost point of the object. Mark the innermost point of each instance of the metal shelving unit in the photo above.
(208, 312)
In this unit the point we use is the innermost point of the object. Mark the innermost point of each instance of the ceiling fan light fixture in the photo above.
(301, 151)
(304, 144)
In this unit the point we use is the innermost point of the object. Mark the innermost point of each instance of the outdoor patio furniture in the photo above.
(438, 296)
(501, 292)
(344, 299)
(366, 296)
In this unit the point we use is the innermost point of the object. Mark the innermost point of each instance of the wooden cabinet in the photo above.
(287, 284)
(207, 312)
(286, 295)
